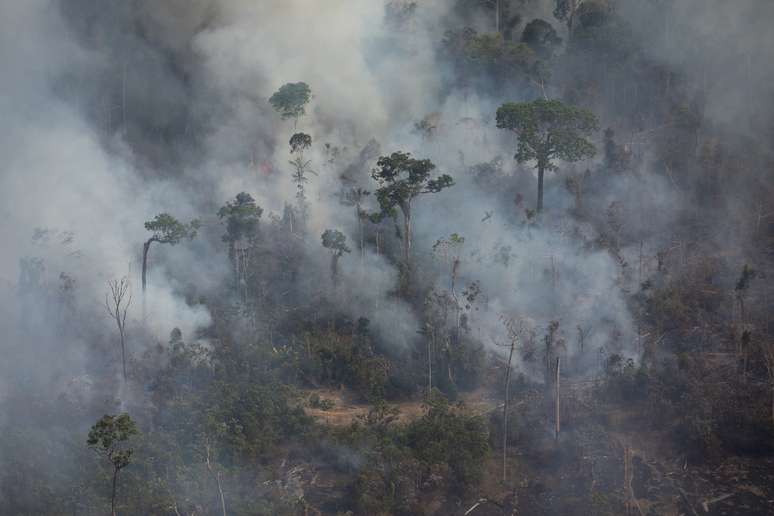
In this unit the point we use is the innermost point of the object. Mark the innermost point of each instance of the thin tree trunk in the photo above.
(430, 363)
(217, 480)
(505, 412)
(541, 172)
(123, 352)
(406, 234)
(113, 493)
(145, 249)
(556, 381)
(361, 236)
(334, 268)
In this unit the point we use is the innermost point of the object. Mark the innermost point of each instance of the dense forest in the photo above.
(387, 257)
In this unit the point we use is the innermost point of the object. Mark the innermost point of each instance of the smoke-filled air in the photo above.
(386, 257)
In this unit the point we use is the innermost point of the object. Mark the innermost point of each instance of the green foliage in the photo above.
(291, 99)
(447, 435)
(541, 37)
(300, 142)
(335, 241)
(496, 55)
(252, 418)
(401, 178)
(549, 129)
(108, 437)
(242, 216)
(333, 359)
(316, 402)
(624, 380)
(168, 230)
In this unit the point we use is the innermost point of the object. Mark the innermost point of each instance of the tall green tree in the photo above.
(108, 437)
(548, 130)
(401, 180)
(166, 230)
(241, 216)
(291, 99)
(336, 242)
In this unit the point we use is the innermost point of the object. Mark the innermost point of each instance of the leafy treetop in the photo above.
(291, 99)
(168, 230)
(401, 178)
(335, 241)
(108, 435)
(549, 129)
(300, 142)
(242, 215)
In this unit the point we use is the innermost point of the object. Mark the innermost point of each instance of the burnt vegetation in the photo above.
(543, 290)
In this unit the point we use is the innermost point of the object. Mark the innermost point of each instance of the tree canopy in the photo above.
(242, 216)
(548, 130)
(291, 99)
(168, 230)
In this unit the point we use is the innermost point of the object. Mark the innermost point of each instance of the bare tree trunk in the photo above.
(430, 363)
(406, 208)
(123, 352)
(217, 480)
(117, 304)
(541, 173)
(113, 493)
(145, 249)
(505, 411)
(334, 269)
(360, 235)
(556, 382)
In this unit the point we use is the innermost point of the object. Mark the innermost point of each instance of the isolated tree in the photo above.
(548, 130)
(117, 302)
(108, 438)
(166, 230)
(291, 99)
(336, 242)
(402, 179)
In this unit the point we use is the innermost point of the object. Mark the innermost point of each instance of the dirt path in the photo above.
(347, 407)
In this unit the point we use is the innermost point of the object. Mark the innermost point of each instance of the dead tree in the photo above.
(556, 397)
(768, 356)
(515, 328)
(205, 454)
(117, 302)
